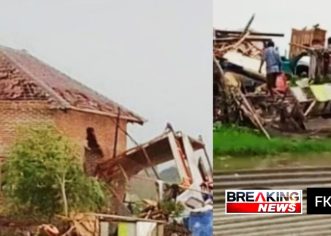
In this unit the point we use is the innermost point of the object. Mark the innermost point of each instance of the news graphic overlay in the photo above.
(263, 201)
(319, 201)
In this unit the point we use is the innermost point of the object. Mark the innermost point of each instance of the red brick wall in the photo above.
(75, 123)
(13, 114)
(72, 123)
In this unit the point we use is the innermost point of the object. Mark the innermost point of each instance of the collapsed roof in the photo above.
(24, 77)
(247, 42)
(157, 151)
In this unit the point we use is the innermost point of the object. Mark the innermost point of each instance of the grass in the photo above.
(234, 141)
(241, 148)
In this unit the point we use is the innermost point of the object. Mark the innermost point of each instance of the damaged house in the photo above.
(170, 167)
(32, 91)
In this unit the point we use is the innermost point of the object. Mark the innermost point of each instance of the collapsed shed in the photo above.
(148, 170)
(239, 87)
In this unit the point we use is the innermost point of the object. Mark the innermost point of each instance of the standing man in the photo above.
(273, 61)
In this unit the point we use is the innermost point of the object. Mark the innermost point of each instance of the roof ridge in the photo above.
(66, 90)
(76, 81)
(50, 92)
(83, 85)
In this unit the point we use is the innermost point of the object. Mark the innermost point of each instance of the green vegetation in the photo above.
(234, 141)
(242, 148)
(171, 208)
(43, 176)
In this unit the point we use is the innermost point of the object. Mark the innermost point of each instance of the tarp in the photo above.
(125, 229)
(146, 229)
(299, 94)
(321, 92)
(201, 223)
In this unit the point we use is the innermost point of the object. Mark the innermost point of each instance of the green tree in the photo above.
(43, 175)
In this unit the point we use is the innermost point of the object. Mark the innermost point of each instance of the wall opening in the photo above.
(93, 152)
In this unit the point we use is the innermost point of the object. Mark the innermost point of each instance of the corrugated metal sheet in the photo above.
(253, 225)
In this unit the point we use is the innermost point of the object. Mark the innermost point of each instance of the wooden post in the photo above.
(1, 175)
(143, 150)
(116, 132)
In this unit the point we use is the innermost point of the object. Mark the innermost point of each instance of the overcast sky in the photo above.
(152, 56)
(272, 16)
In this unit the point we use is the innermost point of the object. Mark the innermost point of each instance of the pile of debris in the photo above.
(152, 210)
(245, 42)
(176, 229)
(168, 175)
(240, 93)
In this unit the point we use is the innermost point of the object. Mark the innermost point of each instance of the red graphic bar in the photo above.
(275, 207)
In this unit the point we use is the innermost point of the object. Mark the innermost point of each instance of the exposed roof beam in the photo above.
(224, 32)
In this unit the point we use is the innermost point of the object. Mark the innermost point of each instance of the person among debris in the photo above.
(273, 65)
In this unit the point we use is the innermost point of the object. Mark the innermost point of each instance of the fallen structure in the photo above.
(172, 168)
(172, 159)
(240, 94)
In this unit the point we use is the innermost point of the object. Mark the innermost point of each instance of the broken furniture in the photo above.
(315, 101)
(308, 38)
(115, 225)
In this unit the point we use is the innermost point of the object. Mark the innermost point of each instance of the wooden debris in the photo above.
(253, 116)
(152, 211)
(82, 224)
(48, 229)
(239, 104)
(248, 42)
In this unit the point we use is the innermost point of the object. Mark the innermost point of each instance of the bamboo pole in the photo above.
(253, 113)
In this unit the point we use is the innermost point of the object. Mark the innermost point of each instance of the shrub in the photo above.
(43, 175)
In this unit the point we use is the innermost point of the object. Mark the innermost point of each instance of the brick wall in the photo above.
(75, 124)
(13, 114)
(72, 123)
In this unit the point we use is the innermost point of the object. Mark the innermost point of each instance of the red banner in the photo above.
(261, 208)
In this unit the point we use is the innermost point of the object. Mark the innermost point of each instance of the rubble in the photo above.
(171, 159)
(169, 174)
(302, 94)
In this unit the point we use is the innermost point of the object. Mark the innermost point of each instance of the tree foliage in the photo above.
(43, 175)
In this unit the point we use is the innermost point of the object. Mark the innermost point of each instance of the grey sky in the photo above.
(152, 56)
(273, 16)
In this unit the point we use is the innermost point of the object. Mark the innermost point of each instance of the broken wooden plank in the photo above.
(250, 39)
(221, 33)
(253, 113)
(311, 106)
